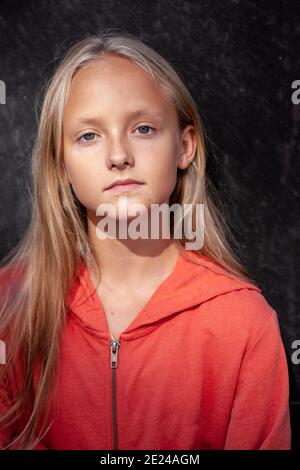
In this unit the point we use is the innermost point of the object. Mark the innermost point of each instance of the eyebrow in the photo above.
(134, 114)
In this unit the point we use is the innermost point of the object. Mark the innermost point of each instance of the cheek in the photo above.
(162, 171)
(85, 180)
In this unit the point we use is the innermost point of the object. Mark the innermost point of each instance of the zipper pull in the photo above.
(114, 347)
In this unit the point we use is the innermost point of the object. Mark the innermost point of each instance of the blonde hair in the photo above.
(37, 275)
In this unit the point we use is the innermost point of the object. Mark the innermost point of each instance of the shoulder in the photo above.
(11, 281)
(234, 306)
(243, 315)
(11, 274)
(233, 314)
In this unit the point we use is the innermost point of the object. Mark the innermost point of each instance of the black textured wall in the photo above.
(239, 60)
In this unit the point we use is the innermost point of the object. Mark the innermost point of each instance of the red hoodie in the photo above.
(202, 366)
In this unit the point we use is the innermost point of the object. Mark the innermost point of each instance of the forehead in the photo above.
(113, 84)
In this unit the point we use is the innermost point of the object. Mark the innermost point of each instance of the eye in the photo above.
(146, 127)
(88, 135)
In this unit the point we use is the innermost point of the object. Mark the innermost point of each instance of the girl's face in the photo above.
(118, 125)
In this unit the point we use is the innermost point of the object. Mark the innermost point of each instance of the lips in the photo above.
(124, 184)
(125, 187)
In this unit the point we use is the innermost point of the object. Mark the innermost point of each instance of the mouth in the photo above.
(121, 188)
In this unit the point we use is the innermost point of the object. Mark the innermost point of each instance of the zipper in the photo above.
(114, 349)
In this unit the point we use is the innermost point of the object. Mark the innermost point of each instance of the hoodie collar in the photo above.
(188, 285)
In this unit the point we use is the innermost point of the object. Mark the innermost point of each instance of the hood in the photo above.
(188, 286)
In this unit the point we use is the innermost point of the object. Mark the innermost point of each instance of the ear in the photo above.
(188, 145)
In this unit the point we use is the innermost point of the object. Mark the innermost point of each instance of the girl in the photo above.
(131, 343)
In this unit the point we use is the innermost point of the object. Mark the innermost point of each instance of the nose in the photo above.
(119, 154)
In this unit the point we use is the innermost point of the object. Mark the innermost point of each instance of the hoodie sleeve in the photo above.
(260, 416)
(7, 432)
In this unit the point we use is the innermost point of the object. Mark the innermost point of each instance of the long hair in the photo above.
(37, 275)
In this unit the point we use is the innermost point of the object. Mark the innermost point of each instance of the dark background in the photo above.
(238, 59)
